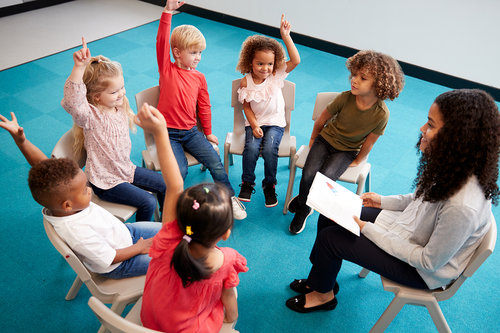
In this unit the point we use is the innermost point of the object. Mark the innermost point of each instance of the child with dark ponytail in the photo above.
(190, 284)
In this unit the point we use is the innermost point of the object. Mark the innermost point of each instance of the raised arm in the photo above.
(81, 59)
(293, 53)
(151, 120)
(31, 152)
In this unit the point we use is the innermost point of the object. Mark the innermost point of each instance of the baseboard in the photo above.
(27, 6)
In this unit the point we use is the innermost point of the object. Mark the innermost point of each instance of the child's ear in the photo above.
(67, 206)
(226, 235)
(176, 52)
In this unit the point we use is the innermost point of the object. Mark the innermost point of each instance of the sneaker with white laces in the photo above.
(238, 209)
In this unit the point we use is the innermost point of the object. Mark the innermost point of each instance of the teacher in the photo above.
(424, 239)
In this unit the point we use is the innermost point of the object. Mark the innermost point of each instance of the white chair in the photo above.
(64, 149)
(118, 292)
(235, 140)
(132, 321)
(150, 156)
(430, 298)
(359, 174)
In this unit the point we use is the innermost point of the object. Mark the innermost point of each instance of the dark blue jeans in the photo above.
(268, 146)
(137, 265)
(325, 159)
(195, 143)
(334, 244)
(137, 193)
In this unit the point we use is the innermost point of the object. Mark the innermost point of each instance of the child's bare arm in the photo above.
(172, 5)
(230, 303)
(81, 59)
(151, 120)
(365, 149)
(141, 247)
(319, 124)
(250, 115)
(31, 152)
(293, 53)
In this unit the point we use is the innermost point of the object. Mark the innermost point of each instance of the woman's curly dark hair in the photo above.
(467, 144)
(388, 75)
(260, 43)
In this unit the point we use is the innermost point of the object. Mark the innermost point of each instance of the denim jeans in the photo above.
(325, 159)
(268, 146)
(195, 143)
(137, 193)
(137, 265)
(334, 244)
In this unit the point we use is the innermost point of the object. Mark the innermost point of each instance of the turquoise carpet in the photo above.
(35, 278)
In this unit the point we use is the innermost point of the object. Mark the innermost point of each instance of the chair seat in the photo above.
(127, 288)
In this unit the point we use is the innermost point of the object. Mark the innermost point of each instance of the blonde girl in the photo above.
(94, 95)
(263, 62)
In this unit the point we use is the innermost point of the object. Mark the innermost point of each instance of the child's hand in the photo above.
(144, 245)
(285, 27)
(13, 128)
(354, 164)
(82, 56)
(371, 199)
(212, 138)
(150, 119)
(257, 132)
(172, 5)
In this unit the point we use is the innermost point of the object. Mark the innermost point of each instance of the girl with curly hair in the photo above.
(358, 118)
(424, 239)
(263, 61)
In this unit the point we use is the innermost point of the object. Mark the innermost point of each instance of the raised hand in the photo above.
(150, 119)
(82, 56)
(172, 5)
(285, 26)
(12, 126)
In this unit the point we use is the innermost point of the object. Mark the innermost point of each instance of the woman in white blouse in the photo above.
(426, 238)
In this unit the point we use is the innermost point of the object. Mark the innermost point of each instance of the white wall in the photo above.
(455, 37)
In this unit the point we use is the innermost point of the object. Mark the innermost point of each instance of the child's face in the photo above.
(362, 83)
(79, 192)
(188, 58)
(114, 94)
(262, 65)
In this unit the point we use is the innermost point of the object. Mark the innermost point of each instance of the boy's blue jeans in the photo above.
(137, 194)
(268, 146)
(137, 265)
(195, 143)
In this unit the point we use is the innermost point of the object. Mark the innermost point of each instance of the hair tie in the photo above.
(188, 230)
(187, 238)
(206, 189)
(196, 205)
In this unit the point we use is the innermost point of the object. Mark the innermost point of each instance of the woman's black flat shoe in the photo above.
(300, 286)
(297, 303)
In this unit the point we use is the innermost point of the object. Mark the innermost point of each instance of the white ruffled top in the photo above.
(266, 99)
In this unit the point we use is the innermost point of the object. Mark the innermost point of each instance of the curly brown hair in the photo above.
(49, 180)
(467, 144)
(388, 75)
(260, 43)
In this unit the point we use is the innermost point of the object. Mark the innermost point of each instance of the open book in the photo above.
(335, 202)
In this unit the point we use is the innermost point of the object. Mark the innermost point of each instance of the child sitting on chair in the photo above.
(183, 95)
(104, 244)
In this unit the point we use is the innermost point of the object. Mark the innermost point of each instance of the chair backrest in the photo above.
(239, 117)
(64, 149)
(71, 258)
(322, 100)
(482, 252)
(114, 322)
(150, 96)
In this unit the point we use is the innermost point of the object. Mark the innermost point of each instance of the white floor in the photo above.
(35, 34)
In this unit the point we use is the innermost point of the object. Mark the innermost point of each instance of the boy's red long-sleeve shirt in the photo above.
(182, 92)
